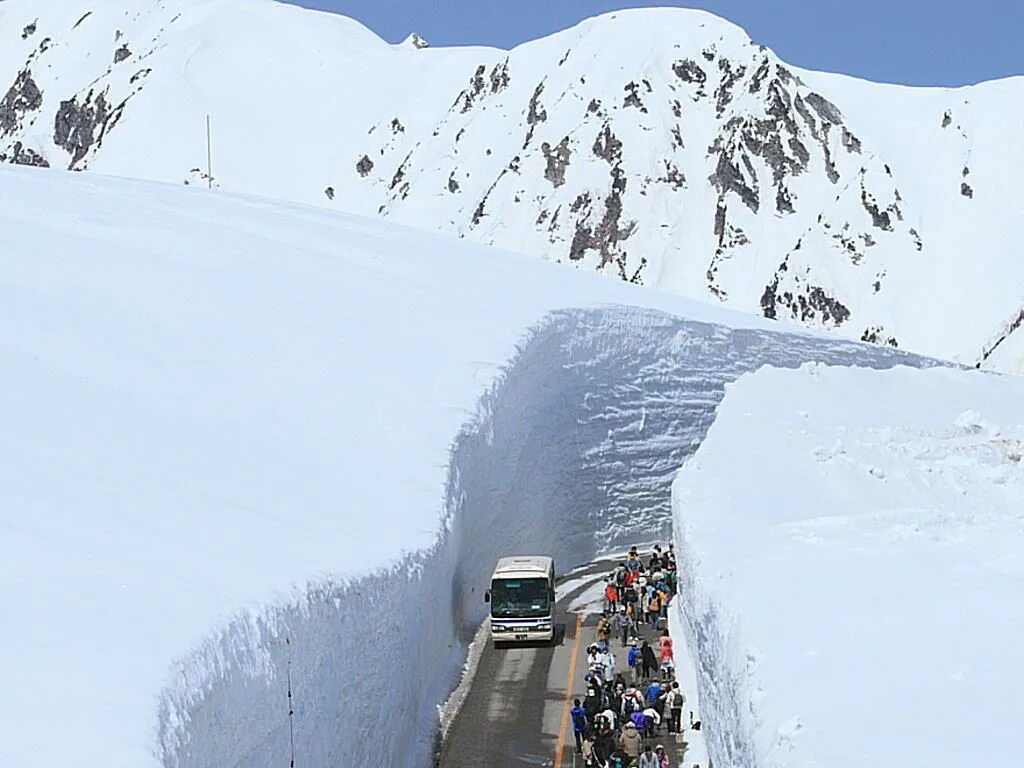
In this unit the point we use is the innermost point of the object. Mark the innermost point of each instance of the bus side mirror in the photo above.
(487, 596)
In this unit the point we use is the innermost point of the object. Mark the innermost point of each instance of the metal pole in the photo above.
(209, 155)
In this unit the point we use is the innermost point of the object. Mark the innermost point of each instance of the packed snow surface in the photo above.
(246, 441)
(703, 165)
(854, 547)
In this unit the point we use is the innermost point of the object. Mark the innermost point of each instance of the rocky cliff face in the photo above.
(663, 148)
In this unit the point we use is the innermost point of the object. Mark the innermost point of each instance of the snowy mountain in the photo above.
(660, 147)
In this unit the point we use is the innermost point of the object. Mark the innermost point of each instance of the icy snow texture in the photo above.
(706, 167)
(853, 576)
(229, 423)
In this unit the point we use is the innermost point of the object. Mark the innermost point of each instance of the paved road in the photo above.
(517, 708)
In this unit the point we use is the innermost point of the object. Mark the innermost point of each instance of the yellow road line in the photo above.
(568, 691)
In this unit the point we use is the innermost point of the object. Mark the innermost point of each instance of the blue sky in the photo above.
(919, 42)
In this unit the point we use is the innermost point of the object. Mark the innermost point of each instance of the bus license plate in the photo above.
(520, 637)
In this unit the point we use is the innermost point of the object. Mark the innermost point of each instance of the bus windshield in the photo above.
(519, 598)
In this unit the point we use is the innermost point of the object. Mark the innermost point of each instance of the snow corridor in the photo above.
(584, 432)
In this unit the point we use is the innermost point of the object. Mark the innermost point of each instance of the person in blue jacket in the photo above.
(579, 723)
(634, 659)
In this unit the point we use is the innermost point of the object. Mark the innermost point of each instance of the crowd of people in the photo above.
(632, 700)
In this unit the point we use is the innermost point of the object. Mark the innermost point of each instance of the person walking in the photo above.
(579, 723)
(631, 742)
(587, 752)
(648, 759)
(659, 751)
(648, 661)
(634, 661)
(611, 597)
(654, 607)
(604, 629)
(666, 655)
(674, 702)
(624, 625)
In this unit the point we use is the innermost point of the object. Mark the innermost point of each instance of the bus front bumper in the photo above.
(512, 632)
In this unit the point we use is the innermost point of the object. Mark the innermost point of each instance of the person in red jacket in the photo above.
(611, 598)
(666, 656)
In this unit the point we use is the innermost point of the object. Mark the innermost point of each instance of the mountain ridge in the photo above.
(660, 146)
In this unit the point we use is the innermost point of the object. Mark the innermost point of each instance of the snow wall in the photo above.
(572, 452)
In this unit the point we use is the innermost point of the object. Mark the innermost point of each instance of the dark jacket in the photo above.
(648, 657)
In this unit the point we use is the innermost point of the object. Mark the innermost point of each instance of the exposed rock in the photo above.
(84, 16)
(673, 177)
(813, 305)
(759, 76)
(728, 178)
(606, 236)
(417, 41)
(632, 97)
(329, 192)
(364, 166)
(500, 77)
(536, 113)
(122, 53)
(1015, 324)
(29, 30)
(557, 161)
(607, 146)
(965, 172)
(22, 155)
(593, 106)
(479, 212)
(21, 98)
(142, 73)
(876, 335)
(851, 142)
(947, 118)
(690, 71)
(677, 138)
(79, 127)
(825, 108)
(453, 185)
(730, 76)
(879, 218)
(400, 172)
(476, 87)
(917, 239)
(965, 190)
(581, 202)
(397, 127)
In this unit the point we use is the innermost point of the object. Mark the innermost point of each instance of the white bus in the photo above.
(522, 598)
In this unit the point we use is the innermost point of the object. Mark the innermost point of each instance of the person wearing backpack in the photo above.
(579, 723)
(674, 702)
(654, 607)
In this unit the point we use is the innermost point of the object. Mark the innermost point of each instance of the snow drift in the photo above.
(857, 589)
(706, 167)
(245, 445)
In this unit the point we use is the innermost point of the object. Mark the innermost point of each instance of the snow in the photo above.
(862, 581)
(246, 439)
(466, 141)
